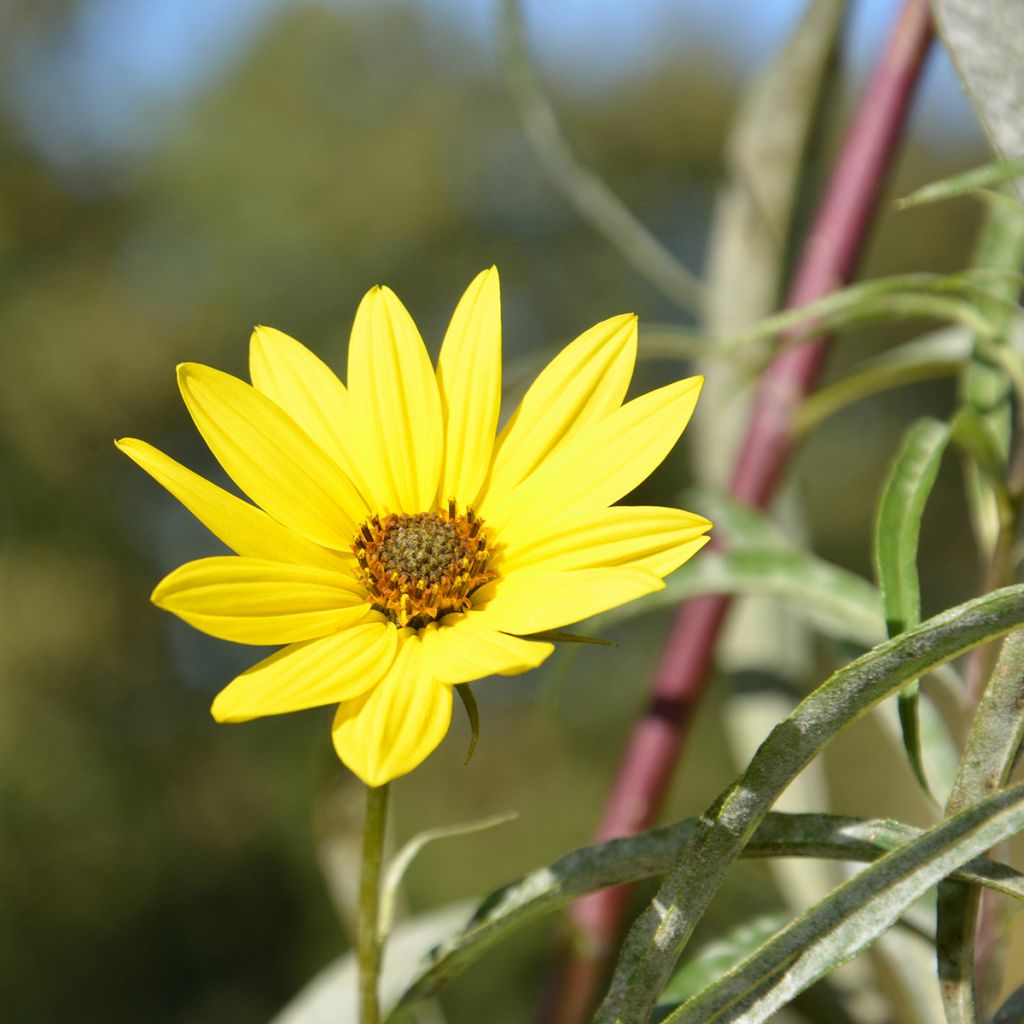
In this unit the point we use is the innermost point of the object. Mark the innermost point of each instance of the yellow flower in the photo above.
(395, 545)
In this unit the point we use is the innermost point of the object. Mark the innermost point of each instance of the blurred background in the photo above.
(175, 171)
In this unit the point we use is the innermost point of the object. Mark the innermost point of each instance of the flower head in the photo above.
(394, 544)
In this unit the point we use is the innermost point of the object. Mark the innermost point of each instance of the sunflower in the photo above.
(396, 544)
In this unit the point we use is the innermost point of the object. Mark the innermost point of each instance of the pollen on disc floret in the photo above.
(420, 567)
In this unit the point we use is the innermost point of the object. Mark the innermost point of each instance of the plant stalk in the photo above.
(369, 941)
(828, 260)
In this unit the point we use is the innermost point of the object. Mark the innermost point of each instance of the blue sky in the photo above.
(101, 89)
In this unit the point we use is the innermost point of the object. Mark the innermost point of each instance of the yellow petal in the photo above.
(532, 601)
(392, 728)
(309, 391)
(396, 404)
(307, 675)
(603, 462)
(271, 458)
(253, 601)
(582, 384)
(469, 381)
(245, 529)
(460, 650)
(644, 537)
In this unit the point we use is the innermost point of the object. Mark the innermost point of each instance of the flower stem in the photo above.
(369, 940)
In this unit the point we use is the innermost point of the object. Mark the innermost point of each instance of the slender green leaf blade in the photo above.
(897, 533)
(841, 925)
(399, 864)
(938, 353)
(986, 385)
(898, 522)
(992, 746)
(652, 853)
(965, 183)
(661, 932)
(465, 693)
(1012, 1010)
(838, 602)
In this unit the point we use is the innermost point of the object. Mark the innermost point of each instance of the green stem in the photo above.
(369, 940)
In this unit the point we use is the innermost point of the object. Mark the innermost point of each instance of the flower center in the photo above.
(418, 568)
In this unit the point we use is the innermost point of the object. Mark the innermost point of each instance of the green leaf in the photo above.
(992, 746)
(621, 861)
(837, 928)
(399, 864)
(966, 183)
(939, 353)
(838, 602)
(1012, 1010)
(898, 522)
(556, 636)
(984, 42)
(897, 532)
(975, 436)
(988, 382)
(916, 294)
(661, 932)
(473, 714)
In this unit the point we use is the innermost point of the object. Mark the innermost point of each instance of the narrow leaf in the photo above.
(987, 176)
(939, 353)
(621, 861)
(841, 925)
(1012, 1010)
(987, 383)
(399, 864)
(897, 532)
(838, 602)
(993, 742)
(465, 693)
(661, 932)
(556, 636)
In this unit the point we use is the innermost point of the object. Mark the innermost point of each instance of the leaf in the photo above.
(621, 861)
(661, 932)
(985, 42)
(1012, 1010)
(897, 532)
(837, 928)
(938, 353)
(399, 864)
(987, 383)
(838, 602)
(966, 183)
(916, 294)
(993, 743)
(898, 522)
(465, 693)
(556, 636)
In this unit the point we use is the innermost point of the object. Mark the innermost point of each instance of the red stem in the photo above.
(829, 257)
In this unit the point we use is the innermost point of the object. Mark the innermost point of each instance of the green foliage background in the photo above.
(155, 867)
